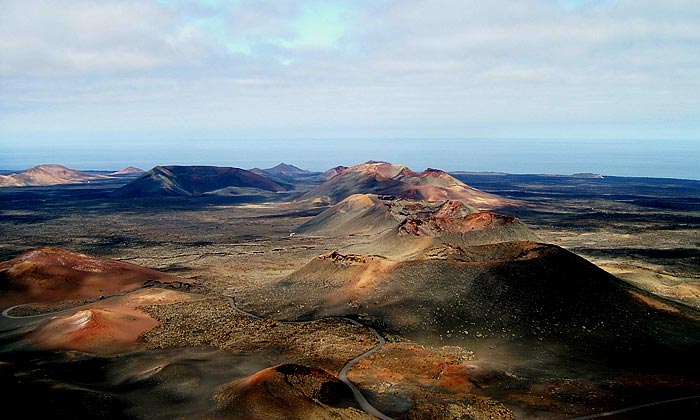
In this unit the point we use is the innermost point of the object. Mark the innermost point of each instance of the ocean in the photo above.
(637, 158)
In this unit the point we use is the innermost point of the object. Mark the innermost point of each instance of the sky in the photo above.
(120, 76)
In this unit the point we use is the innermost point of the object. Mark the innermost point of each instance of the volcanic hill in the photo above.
(53, 274)
(285, 169)
(288, 391)
(103, 298)
(405, 226)
(513, 290)
(129, 171)
(387, 179)
(49, 174)
(194, 181)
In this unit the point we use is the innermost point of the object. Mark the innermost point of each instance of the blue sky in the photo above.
(99, 72)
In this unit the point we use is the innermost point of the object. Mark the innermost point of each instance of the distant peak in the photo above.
(51, 167)
(434, 172)
(285, 169)
(131, 170)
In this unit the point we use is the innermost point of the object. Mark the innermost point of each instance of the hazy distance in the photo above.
(644, 158)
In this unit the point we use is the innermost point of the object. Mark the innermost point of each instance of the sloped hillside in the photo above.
(388, 179)
(193, 181)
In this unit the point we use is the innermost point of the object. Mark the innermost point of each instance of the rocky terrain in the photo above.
(483, 318)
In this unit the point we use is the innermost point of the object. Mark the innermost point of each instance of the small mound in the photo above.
(49, 174)
(285, 169)
(288, 391)
(53, 274)
(129, 171)
(94, 330)
(358, 214)
(110, 326)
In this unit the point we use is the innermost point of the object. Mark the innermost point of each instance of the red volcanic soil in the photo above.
(333, 172)
(53, 274)
(46, 175)
(444, 222)
(110, 326)
(398, 180)
(94, 330)
(287, 392)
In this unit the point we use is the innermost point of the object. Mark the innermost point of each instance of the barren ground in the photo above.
(644, 231)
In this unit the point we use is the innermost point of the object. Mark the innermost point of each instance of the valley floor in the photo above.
(642, 230)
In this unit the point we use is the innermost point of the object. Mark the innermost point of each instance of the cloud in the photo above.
(439, 67)
(81, 37)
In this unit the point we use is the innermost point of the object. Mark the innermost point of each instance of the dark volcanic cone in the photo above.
(512, 290)
(193, 181)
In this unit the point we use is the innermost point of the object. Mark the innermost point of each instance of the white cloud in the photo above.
(82, 36)
(431, 67)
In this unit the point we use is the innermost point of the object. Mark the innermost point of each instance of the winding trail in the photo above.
(343, 374)
(14, 323)
(6, 313)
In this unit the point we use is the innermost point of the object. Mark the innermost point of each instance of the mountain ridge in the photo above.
(191, 181)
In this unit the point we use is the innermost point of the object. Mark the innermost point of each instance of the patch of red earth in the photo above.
(450, 220)
(52, 274)
(443, 368)
(656, 304)
(487, 220)
(107, 327)
(95, 330)
(436, 173)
